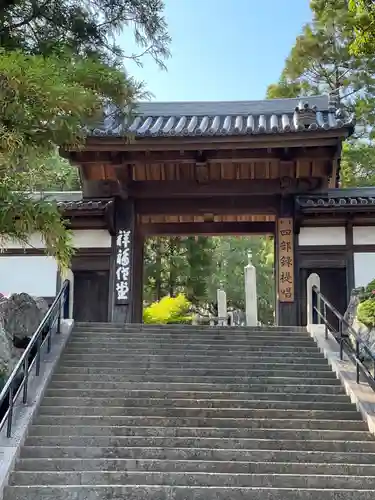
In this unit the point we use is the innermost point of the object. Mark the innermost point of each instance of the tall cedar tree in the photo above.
(59, 66)
(322, 61)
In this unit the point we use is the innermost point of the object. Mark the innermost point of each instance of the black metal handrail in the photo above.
(19, 378)
(343, 338)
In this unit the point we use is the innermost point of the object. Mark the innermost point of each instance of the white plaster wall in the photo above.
(82, 238)
(321, 236)
(364, 235)
(35, 275)
(364, 268)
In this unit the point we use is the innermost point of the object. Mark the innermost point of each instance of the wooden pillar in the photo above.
(126, 265)
(286, 266)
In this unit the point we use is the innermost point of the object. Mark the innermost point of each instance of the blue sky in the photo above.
(223, 49)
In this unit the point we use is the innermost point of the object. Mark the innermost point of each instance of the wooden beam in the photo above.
(190, 156)
(207, 228)
(220, 205)
(303, 139)
(224, 188)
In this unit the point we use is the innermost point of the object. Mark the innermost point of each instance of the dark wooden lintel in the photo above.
(122, 158)
(207, 228)
(219, 205)
(228, 188)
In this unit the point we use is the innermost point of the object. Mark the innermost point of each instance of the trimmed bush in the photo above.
(169, 310)
(366, 312)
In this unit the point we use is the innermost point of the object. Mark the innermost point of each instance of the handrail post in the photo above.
(38, 355)
(357, 356)
(341, 340)
(25, 381)
(10, 410)
(325, 319)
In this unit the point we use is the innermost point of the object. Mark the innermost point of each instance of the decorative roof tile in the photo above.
(344, 199)
(73, 200)
(186, 119)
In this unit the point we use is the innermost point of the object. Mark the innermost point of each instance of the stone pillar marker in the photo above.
(251, 302)
(222, 307)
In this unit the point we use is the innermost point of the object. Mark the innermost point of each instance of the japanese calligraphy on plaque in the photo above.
(285, 254)
(123, 263)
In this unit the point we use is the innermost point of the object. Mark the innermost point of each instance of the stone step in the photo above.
(197, 343)
(188, 338)
(186, 397)
(336, 482)
(190, 381)
(257, 370)
(108, 368)
(237, 467)
(180, 350)
(197, 412)
(211, 432)
(308, 388)
(215, 454)
(190, 404)
(202, 442)
(183, 422)
(199, 358)
(90, 326)
(179, 493)
(171, 362)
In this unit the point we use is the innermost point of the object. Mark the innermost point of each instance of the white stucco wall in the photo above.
(321, 236)
(364, 268)
(364, 235)
(37, 275)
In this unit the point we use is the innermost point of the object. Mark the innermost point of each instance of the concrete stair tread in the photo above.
(191, 404)
(148, 492)
(120, 465)
(193, 479)
(297, 388)
(255, 423)
(208, 443)
(229, 397)
(213, 432)
(194, 413)
(203, 454)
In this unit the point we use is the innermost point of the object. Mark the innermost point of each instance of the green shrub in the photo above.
(169, 310)
(366, 312)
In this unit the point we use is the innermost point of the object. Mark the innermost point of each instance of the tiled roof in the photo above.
(185, 119)
(345, 199)
(73, 200)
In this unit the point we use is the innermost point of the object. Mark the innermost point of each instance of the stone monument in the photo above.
(251, 303)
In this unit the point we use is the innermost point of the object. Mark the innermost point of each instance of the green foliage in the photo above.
(197, 266)
(88, 28)
(59, 67)
(357, 165)
(321, 62)
(168, 310)
(364, 27)
(178, 264)
(366, 312)
(43, 104)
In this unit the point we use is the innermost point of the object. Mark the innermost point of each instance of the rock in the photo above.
(8, 354)
(21, 314)
(367, 335)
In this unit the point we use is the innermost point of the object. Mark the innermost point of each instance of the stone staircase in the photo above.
(194, 414)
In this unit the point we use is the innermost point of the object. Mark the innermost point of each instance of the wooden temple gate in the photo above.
(210, 169)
